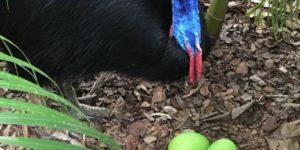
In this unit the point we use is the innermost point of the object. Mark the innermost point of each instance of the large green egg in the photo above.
(189, 141)
(222, 144)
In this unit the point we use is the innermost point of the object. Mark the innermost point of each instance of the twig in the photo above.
(219, 117)
(208, 115)
(192, 92)
(87, 97)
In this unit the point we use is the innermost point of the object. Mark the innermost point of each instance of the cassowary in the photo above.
(159, 40)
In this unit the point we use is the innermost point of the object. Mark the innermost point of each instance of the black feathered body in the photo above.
(69, 39)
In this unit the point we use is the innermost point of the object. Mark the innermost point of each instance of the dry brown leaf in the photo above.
(286, 137)
(204, 91)
(159, 94)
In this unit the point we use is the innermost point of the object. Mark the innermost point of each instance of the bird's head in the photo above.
(186, 29)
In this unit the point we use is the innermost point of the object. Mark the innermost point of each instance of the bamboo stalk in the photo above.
(214, 18)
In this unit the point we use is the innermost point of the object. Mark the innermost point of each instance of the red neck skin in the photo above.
(195, 65)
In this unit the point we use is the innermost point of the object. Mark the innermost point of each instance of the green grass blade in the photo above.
(28, 63)
(34, 109)
(10, 53)
(15, 79)
(12, 82)
(20, 62)
(38, 144)
(44, 121)
(255, 8)
(6, 41)
(40, 92)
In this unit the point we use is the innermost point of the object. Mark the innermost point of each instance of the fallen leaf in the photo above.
(235, 113)
(159, 94)
(270, 125)
(286, 137)
(204, 91)
(149, 139)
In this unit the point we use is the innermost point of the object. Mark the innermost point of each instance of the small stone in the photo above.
(242, 69)
(269, 64)
(270, 125)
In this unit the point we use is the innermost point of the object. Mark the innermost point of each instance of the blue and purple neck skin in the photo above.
(186, 29)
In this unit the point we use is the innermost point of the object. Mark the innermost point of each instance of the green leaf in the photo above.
(13, 82)
(34, 109)
(22, 63)
(255, 8)
(38, 144)
(48, 122)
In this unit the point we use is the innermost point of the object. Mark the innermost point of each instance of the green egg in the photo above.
(189, 141)
(222, 144)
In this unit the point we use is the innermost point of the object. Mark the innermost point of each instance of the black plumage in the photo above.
(69, 39)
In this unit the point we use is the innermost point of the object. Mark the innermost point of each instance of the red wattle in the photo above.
(198, 65)
(191, 65)
(195, 65)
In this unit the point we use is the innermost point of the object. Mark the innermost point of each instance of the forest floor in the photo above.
(250, 93)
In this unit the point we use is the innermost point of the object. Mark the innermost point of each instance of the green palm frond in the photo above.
(35, 115)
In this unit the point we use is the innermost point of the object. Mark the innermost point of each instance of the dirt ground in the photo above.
(250, 93)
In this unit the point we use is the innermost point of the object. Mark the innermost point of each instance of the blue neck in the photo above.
(186, 25)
